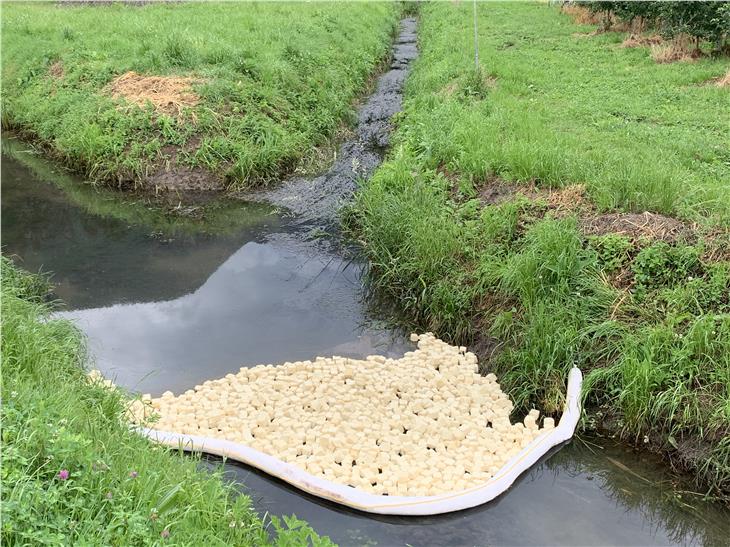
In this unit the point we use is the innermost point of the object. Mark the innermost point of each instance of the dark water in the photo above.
(575, 496)
(169, 302)
(317, 199)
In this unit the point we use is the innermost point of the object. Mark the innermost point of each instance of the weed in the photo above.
(178, 51)
(613, 250)
(661, 265)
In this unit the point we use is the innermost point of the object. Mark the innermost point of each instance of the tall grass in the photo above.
(276, 80)
(72, 471)
(552, 108)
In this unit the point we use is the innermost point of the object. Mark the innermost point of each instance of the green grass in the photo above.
(568, 108)
(277, 80)
(526, 283)
(120, 489)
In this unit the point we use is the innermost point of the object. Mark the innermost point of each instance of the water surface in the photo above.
(168, 309)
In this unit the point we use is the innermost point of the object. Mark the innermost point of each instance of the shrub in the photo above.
(702, 20)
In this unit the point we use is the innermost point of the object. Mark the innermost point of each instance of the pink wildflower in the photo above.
(165, 533)
(133, 474)
(63, 474)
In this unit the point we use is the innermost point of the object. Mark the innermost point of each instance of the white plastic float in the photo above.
(391, 505)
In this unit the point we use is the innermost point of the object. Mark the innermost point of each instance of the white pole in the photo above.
(476, 39)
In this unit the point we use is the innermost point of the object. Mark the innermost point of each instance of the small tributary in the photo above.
(169, 301)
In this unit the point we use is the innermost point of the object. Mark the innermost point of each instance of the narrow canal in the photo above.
(169, 301)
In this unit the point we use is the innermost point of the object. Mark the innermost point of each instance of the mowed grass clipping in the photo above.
(580, 126)
(72, 471)
(268, 82)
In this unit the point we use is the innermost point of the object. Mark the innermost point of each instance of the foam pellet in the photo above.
(425, 424)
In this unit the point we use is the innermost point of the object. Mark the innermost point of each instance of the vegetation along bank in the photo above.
(567, 204)
(138, 96)
(72, 471)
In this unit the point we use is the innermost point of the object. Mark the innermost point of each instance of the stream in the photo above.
(168, 301)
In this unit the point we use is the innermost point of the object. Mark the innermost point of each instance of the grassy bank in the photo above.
(73, 473)
(162, 213)
(512, 215)
(242, 92)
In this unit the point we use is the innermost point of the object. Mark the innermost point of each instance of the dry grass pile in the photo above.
(638, 40)
(582, 16)
(572, 197)
(723, 81)
(605, 20)
(569, 198)
(681, 48)
(637, 226)
(56, 70)
(167, 94)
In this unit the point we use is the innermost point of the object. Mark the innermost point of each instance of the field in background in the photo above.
(566, 205)
(557, 105)
(187, 95)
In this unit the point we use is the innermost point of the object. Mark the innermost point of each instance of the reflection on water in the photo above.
(575, 496)
(100, 254)
(165, 308)
(273, 301)
(172, 309)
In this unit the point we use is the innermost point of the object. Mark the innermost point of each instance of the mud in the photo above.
(317, 200)
(174, 181)
(178, 178)
(572, 200)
